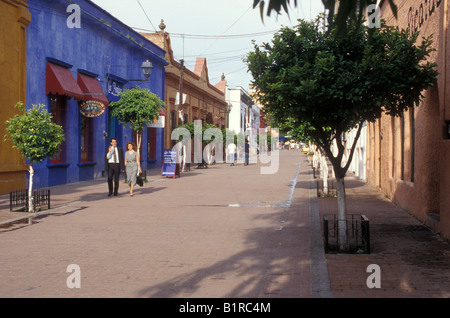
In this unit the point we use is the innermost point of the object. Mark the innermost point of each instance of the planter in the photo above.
(358, 234)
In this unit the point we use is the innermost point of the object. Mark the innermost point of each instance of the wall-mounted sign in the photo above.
(157, 123)
(113, 90)
(92, 108)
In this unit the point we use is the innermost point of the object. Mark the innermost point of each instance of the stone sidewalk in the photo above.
(217, 232)
(413, 261)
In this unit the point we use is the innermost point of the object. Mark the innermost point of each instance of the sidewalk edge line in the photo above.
(320, 280)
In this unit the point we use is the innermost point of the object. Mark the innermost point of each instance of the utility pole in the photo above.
(181, 115)
(180, 98)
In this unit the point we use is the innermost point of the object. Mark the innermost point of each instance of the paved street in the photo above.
(218, 232)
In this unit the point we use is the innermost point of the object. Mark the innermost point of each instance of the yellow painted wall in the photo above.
(14, 18)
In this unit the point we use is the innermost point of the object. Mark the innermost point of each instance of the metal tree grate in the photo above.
(18, 200)
(357, 230)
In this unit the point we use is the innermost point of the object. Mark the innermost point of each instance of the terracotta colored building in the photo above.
(409, 157)
(201, 100)
(14, 19)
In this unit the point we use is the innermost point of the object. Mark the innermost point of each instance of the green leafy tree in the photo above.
(207, 134)
(231, 136)
(36, 137)
(326, 84)
(190, 126)
(136, 107)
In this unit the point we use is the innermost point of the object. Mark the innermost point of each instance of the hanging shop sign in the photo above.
(113, 90)
(92, 108)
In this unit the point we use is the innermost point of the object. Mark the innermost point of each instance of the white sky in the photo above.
(224, 18)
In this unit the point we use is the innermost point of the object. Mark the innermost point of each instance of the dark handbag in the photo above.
(140, 180)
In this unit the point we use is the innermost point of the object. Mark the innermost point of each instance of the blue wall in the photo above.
(104, 46)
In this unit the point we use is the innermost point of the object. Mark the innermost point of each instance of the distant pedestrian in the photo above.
(231, 152)
(113, 165)
(132, 165)
(246, 152)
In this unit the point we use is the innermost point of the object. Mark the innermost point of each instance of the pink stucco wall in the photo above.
(413, 168)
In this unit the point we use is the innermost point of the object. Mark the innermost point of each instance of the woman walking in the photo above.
(132, 165)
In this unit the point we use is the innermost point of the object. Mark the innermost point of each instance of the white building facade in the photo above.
(358, 164)
(244, 116)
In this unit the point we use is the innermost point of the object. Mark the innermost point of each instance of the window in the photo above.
(151, 143)
(209, 118)
(87, 139)
(58, 109)
(173, 120)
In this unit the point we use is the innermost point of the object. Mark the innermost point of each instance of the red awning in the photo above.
(61, 81)
(91, 89)
(161, 112)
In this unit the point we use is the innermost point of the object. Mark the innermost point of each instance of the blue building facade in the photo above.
(79, 59)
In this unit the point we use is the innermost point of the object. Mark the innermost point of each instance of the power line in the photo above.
(213, 37)
(216, 61)
(217, 78)
(237, 20)
(227, 29)
(226, 58)
(231, 36)
(223, 52)
(148, 18)
(146, 15)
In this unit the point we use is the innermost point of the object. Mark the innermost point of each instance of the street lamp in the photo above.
(227, 109)
(147, 68)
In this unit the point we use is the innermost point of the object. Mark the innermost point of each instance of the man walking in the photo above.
(231, 152)
(246, 152)
(114, 164)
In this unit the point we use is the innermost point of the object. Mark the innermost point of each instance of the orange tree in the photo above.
(33, 133)
(136, 107)
(325, 85)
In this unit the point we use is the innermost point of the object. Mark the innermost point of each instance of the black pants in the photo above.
(113, 175)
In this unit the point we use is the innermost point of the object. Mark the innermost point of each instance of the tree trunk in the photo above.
(30, 190)
(324, 166)
(138, 141)
(184, 157)
(339, 173)
(342, 214)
